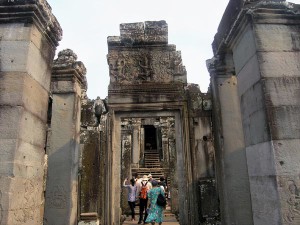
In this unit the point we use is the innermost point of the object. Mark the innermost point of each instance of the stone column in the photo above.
(68, 76)
(136, 142)
(264, 39)
(29, 36)
(231, 163)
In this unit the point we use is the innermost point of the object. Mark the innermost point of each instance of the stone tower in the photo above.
(148, 106)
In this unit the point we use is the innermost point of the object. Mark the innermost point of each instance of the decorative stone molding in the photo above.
(32, 11)
(65, 67)
(238, 14)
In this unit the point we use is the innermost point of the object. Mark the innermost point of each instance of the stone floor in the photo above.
(167, 221)
(169, 218)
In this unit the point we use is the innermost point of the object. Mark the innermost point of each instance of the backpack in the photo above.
(143, 193)
(161, 200)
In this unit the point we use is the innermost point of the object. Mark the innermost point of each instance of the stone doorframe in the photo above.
(115, 140)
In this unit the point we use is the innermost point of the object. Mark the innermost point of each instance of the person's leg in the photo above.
(133, 211)
(141, 212)
(131, 205)
(142, 208)
(146, 213)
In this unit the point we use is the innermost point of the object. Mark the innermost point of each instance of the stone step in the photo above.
(152, 160)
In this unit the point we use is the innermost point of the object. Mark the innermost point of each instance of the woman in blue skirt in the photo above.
(155, 214)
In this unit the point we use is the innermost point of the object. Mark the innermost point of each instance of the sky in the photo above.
(86, 25)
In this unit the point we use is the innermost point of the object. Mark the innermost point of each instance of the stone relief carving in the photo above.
(292, 200)
(133, 67)
(146, 70)
(27, 202)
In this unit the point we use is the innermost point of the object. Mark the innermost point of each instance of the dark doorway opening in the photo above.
(150, 137)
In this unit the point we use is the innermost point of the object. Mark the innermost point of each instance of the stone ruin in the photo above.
(230, 155)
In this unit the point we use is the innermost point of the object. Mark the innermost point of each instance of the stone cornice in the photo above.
(32, 11)
(271, 12)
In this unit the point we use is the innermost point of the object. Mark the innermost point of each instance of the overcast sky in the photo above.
(86, 25)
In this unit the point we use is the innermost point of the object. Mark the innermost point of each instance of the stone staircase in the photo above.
(151, 165)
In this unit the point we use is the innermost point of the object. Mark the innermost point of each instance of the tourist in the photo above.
(132, 189)
(155, 213)
(142, 191)
(162, 183)
(150, 178)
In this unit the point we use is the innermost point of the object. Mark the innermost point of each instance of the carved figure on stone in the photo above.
(117, 69)
(293, 201)
(145, 68)
(161, 66)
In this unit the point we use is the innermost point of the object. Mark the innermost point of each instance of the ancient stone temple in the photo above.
(155, 114)
(230, 156)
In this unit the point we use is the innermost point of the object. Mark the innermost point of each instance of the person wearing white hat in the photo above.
(150, 177)
(142, 189)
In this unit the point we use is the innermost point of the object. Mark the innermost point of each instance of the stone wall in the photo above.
(257, 61)
(29, 36)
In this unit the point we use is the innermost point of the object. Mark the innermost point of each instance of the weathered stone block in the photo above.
(14, 55)
(287, 157)
(39, 65)
(282, 91)
(24, 56)
(15, 32)
(284, 122)
(10, 122)
(279, 64)
(256, 129)
(244, 49)
(132, 32)
(277, 37)
(260, 160)
(156, 32)
(248, 75)
(65, 87)
(16, 122)
(16, 150)
(18, 194)
(33, 95)
(265, 200)
(252, 100)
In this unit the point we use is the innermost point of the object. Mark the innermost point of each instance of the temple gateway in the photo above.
(229, 156)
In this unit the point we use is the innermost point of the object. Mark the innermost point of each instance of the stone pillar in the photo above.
(231, 163)
(29, 36)
(269, 83)
(68, 76)
(266, 59)
(136, 142)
